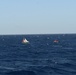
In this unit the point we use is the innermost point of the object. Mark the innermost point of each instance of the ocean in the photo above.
(47, 54)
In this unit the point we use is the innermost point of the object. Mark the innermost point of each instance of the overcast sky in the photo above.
(37, 16)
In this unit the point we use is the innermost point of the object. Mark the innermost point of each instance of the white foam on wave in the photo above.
(61, 60)
(10, 68)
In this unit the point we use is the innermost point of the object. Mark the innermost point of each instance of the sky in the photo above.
(37, 16)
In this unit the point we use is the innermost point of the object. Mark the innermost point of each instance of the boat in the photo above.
(55, 41)
(25, 41)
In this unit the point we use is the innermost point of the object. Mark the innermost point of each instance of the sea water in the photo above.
(41, 56)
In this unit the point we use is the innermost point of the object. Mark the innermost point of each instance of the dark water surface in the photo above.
(42, 56)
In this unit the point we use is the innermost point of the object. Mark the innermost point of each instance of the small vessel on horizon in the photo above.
(25, 40)
(55, 41)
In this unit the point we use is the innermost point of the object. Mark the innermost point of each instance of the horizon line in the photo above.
(36, 33)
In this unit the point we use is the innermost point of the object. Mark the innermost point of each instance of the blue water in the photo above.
(42, 56)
